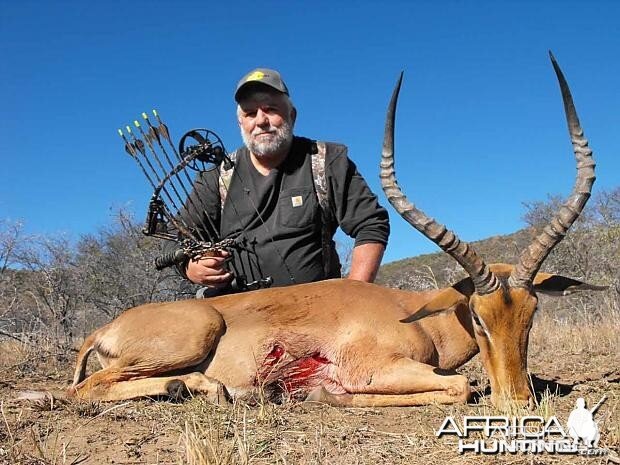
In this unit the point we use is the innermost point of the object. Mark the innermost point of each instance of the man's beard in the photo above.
(279, 140)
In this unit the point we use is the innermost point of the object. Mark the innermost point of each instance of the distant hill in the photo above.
(439, 269)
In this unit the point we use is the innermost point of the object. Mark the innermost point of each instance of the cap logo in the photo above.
(255, 76)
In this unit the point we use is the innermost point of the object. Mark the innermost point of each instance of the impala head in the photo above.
(502, 298)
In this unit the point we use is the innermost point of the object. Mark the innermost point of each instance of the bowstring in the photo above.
(259, 216)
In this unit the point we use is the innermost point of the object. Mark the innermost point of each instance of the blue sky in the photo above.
(480, 127)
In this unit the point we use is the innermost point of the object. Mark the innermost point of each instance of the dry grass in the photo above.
(569, 357)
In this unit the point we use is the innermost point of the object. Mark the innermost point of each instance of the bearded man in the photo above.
(269, 201)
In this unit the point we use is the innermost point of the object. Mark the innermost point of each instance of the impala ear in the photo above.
(444, 301)
(553, 284)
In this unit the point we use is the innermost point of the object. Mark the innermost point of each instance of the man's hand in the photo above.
(210, 271)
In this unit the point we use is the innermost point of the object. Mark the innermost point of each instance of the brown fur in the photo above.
(360, 344)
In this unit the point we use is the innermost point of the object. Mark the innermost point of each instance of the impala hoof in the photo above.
(319, 394)
(460, 390)
(219, 396)
(177, 391)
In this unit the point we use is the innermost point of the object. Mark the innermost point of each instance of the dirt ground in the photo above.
(566, 362)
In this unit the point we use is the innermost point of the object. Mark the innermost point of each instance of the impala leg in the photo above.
(139, 356)
(114, 385)
(382, 400)
(404, 375)
(398, 382)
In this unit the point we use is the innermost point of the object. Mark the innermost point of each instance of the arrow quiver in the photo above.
(172, 173)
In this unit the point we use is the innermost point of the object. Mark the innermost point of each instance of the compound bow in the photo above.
(170, 182)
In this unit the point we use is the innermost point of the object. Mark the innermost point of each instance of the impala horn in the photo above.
(483, 278)
(534, 255)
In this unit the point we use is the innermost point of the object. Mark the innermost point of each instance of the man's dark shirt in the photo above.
(277, 217)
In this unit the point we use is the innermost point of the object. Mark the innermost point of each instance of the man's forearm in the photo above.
(365, 261)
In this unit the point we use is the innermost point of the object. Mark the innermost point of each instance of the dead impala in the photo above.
(344, 342)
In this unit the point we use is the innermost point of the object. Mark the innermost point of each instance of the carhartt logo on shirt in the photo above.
(297, 201)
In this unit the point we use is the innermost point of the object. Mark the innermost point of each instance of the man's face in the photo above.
(266, 121)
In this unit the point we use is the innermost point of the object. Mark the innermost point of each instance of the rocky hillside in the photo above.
(439, 269)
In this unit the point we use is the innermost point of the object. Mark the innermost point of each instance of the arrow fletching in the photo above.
(140, 146)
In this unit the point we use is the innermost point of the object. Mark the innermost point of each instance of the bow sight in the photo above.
(199, 150)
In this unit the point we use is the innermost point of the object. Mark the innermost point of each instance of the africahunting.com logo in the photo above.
(531, 434)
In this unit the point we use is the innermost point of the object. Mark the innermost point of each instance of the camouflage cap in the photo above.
(263, 76)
